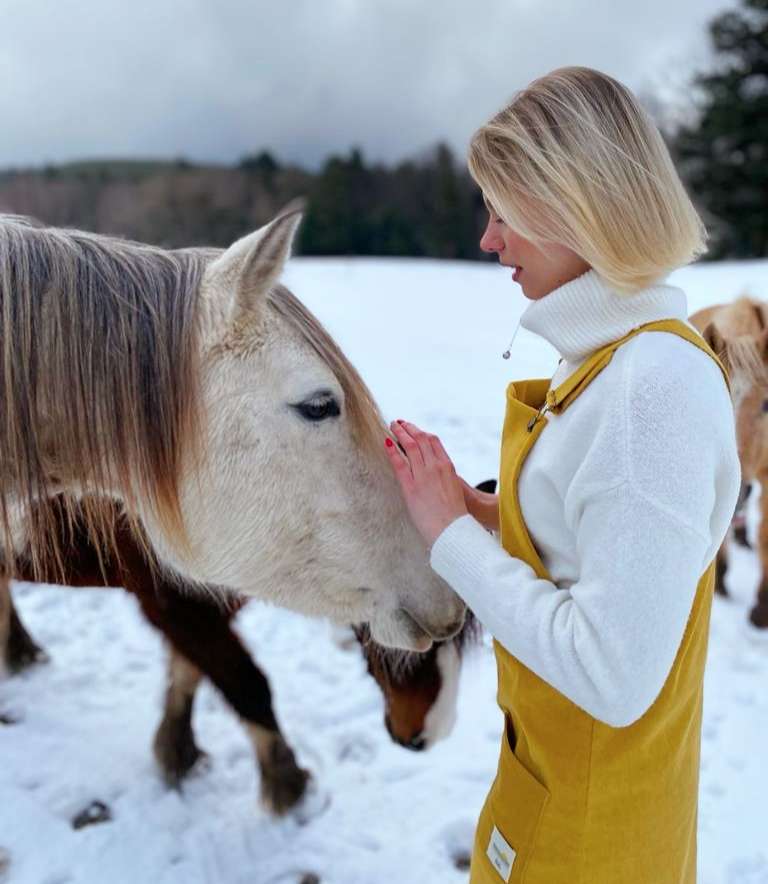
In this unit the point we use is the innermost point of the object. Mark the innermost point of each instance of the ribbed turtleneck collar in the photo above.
(586, 313)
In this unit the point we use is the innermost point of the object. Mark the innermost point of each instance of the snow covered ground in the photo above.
(428, 338)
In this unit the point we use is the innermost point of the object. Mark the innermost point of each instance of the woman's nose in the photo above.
(490, 241)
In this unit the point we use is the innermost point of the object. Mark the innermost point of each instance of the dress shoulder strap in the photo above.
(561, 397)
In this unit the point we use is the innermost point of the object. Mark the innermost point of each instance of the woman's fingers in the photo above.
(429, 447)
(411, 440)
(427, 479)
(399, 461)
(441, 455)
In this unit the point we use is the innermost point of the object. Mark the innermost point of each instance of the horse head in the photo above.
(203, 395)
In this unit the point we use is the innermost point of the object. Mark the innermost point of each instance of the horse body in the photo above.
(419, 690)
(738, 333)
(219, 413)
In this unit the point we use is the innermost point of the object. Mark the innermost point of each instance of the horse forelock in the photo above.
(746, 359)
(98, 375)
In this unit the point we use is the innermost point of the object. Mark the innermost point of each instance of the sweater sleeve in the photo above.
(608, 641)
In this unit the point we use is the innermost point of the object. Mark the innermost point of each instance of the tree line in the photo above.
(426, 206)
(423, 207)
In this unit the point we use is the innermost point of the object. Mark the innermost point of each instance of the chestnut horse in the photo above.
(419, 689)
(738, 333)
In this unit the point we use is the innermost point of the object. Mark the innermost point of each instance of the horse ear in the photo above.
(252, 265)
(715, 340)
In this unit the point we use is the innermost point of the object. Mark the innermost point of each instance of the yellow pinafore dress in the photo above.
(574, 800)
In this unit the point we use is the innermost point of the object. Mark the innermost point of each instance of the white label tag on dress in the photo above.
(501, 855)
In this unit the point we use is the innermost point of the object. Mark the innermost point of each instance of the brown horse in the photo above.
(738, 333)
(419, 690)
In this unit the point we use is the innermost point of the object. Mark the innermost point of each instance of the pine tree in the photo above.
(723, 156)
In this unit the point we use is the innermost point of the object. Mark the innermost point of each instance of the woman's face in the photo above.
(538, 270)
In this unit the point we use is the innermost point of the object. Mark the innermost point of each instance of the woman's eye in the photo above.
(318, 409)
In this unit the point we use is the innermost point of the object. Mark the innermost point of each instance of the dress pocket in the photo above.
(509, 821)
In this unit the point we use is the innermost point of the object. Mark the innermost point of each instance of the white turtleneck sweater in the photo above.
(627, 496)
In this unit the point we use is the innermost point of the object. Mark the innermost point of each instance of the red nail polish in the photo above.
(388, 442)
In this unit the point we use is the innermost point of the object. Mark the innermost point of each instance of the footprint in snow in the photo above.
(458, 838)
(356, 748)
(96, 812)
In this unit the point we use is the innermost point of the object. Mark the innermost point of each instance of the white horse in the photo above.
(193, 388)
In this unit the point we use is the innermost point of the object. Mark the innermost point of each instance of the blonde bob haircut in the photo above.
(574, 159)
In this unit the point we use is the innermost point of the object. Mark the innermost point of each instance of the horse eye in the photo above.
(318, 409)
(765, 405)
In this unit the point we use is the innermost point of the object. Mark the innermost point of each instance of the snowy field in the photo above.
(428, 337)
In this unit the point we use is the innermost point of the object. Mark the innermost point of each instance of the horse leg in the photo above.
(174, 744)
(739, 521)
(18, 650)
(226, 662)
(759, 613)
(6, 603)
(283, 782)
(740, 529)
(199, 628)
(721, 568)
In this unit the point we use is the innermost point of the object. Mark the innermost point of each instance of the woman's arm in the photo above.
(642, 539)
(607, 642)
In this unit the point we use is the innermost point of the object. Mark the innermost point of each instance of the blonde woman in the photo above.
(618, 479)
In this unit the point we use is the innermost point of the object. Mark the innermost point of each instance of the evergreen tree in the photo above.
(339, 217)
(723, 156)
(450, 217)
(263, 165)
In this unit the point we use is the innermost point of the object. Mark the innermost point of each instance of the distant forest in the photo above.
(422, 207)
(425, 207)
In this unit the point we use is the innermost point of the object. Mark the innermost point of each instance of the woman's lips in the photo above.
(516, 274)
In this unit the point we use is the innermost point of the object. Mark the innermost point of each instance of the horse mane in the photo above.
(98, 378)
(398, 664)
(746, 359)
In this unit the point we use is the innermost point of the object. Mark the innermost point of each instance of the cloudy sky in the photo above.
(215, 79)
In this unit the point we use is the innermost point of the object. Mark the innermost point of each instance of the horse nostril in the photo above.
(418, 743)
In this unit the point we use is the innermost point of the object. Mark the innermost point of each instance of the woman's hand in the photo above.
(432, 491)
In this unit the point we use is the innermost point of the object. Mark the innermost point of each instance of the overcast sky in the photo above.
(216, 79)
